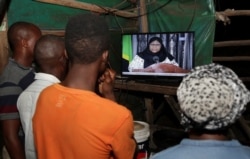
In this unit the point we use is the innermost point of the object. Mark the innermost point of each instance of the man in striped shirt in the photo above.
(16, 76)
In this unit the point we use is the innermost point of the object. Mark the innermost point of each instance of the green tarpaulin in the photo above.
(163, 15)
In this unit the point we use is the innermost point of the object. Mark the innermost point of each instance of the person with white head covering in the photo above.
(211, 99)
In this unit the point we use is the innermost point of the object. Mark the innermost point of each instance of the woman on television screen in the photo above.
(154, 58)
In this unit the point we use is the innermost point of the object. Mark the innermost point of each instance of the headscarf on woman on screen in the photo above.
(154, 53)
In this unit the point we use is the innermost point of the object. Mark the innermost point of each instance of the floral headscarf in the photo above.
(211, 97)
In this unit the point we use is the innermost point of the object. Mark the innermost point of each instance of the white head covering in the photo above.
(211, 97)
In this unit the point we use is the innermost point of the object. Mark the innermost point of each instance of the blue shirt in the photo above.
(205, 149)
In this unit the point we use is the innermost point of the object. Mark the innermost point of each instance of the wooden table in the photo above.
(169, 92)
(143, 87)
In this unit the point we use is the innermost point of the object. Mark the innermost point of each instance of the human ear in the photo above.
(105, 56)
(65, 54)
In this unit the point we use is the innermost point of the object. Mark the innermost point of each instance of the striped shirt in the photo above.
(13, 80)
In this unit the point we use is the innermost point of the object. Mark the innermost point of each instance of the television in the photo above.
(161, 55)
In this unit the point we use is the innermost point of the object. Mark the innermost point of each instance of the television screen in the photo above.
(162, 54)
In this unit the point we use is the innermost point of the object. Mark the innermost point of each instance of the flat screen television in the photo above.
(159, 55)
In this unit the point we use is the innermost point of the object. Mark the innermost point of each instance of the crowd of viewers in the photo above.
(64, 105)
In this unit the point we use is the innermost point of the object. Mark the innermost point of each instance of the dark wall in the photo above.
(239, 27)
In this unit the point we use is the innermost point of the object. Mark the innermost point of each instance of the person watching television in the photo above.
(211, 99)
(73, 121)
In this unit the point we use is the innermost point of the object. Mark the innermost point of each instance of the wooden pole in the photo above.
(4, 46)
(143, 17)
(4, 50)
(90, 7)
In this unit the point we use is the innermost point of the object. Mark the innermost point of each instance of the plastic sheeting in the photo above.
(51, 16)
(163, 15)
(186, 15)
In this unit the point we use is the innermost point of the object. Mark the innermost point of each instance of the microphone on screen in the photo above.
(156, 59)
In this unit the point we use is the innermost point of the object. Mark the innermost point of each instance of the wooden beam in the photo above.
(232, 43)
(224, 15)
(232, 58)
(245, 79)
(90, 7)
(137, 86)
(62, 32)
(54, 32)
(231, 12)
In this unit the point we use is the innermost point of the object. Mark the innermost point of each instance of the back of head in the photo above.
(50, 55)
(22, 31)
(211, 97)
(86, 38)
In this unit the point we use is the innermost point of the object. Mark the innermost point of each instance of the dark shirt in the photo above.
(13, 80)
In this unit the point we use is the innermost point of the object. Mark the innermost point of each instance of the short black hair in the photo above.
(48, 47)
(86, 38)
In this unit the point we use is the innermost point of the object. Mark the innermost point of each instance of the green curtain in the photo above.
(163, 15)
(186, 15)
(54, 17)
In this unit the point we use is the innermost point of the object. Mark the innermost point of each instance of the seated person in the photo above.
(211, 99)
(154, 58)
